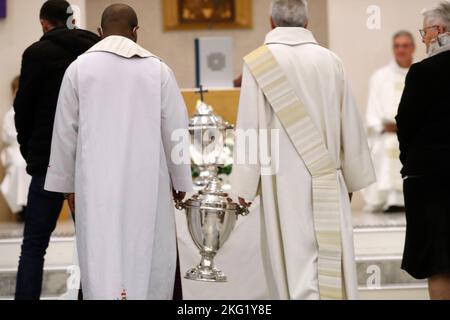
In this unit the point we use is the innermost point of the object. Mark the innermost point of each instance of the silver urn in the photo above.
(208, 135)
(211, 217)
(211, 214)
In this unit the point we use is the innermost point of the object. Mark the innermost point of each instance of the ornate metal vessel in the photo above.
(211, 214)
(211, 217)
(208, 132)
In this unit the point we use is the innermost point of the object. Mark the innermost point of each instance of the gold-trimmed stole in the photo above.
(309, 143)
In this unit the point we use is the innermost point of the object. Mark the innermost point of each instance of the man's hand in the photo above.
(390, 127)
(178, 196)
(244, 203)
(71, 201)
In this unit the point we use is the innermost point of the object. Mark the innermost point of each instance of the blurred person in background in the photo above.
(386, 89)
(16, 182)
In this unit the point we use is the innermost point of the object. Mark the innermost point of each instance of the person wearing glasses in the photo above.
(423, 123)
(386, 89)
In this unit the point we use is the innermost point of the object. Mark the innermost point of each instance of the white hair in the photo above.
(439, 15)
(290, 13)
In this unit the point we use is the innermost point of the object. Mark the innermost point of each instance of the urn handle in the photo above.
(243, 211)
(180, 205)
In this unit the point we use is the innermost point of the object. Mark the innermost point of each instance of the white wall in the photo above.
(177, 47)
(363, 50)
(19, 30)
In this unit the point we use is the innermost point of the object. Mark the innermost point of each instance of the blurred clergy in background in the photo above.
(386, 89)
(16, 182)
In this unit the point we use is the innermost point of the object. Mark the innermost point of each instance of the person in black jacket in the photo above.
(423, 123)
(43, 66)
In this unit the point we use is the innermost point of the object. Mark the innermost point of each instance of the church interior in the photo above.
(359, 31)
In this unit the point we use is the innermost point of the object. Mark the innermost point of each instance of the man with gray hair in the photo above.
(296, 92)
(424, 134)
(289, 13)
(436, 29)
(385, 92)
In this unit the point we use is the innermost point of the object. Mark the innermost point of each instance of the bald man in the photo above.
(111, 154)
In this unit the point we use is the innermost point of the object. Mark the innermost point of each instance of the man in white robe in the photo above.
(118, 108)
(290, 249)
(386, 89)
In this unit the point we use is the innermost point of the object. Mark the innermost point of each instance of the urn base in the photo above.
(206, 275)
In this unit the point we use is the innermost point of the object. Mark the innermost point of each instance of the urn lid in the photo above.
(205, 118)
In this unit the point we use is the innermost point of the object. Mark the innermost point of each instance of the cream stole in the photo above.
(309, 143)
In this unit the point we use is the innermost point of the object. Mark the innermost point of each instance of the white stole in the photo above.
(309, 143)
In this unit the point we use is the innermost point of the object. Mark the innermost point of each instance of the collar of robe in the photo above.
(441, 44)
(123, 47)
(290, 36)
(398, 69)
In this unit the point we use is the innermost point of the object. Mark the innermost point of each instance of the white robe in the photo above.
(289, 245)
(386, 89)
(16, 182)
(112, 147)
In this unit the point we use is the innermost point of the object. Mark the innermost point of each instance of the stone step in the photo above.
(381, 278)
(383, 270)
(378, 278)
(54, 282)
(60, 255)
(380, 241)
(368, 242)
(378, 256)
(60, 252)
(379, 251)
(399, 292)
